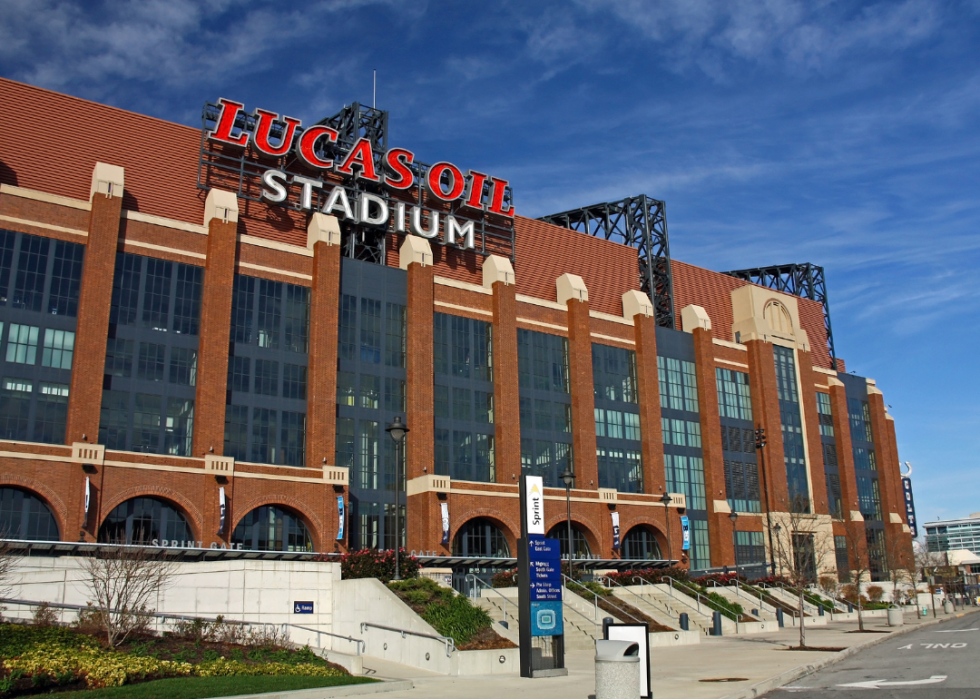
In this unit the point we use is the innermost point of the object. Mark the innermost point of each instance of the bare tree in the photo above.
(900, 561)
(124, 582)
(859, 559)
(7, 561)
(801, 551)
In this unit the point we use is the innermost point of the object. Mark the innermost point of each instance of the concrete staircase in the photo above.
(767, 612)
(577, 616)
(672, 603)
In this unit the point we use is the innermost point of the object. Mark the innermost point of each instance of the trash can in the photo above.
(895, 616)
(948, 607)
(617, 670)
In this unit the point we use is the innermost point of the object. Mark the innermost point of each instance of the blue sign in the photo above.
(686, 531)
(302, 607)
(340, 515)
(546, 619)
(909, 505)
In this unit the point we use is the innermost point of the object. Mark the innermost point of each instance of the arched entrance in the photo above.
(23, 515)
(580, 546)
(480, 538)
(272, 528)
(640, 544)
(143, 520)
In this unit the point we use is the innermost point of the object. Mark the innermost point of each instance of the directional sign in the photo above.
(877, 684)
(545, 568)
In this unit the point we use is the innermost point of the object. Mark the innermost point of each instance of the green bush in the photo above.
(372, 563)
(449, 614)
(507, 578)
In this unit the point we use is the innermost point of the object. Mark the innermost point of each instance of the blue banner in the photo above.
(686, 531)
(909, 505)
(340, 515)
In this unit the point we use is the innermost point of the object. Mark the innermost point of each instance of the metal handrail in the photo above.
(594, 621)
(596, 601)
(450, 643)
(183, 617)
(783, 604)
(626, 589)
(748, 591)
(492, 588)
(645, 582)
(708, 603)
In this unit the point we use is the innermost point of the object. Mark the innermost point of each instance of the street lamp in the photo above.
(567, 477)
(733, 515)
(397, 430)
(666, 500)
(776, 529)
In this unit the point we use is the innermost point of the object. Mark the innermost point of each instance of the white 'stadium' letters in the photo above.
(444, 182)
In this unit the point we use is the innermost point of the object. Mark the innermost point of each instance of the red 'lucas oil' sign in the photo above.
(443, 181)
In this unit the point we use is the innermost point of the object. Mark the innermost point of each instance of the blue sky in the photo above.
(839, 133)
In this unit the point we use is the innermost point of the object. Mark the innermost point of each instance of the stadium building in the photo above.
(205, 333)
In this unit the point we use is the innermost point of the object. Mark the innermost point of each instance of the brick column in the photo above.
(720, 537)
(415, 255)
(858, 549)
(221, 218)
(321, 401)
(811, 427)
(637, 307)
(765, 409)
(889, 482)
(499, 275)
(583, 397)
(94, 302)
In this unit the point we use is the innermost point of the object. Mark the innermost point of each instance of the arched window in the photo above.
(580, 547)
(480, 538)
(777, 317)
(272, 528)
(640, 544)
(23, 515)
(141, 520)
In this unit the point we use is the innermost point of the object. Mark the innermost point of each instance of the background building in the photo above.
(954, 534)
(189, 363)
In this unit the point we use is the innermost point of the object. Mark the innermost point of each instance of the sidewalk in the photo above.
(676, 673)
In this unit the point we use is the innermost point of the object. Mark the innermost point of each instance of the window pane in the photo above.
(59, 346)
(156, 293)
(31, 271)
(66, 278)
(187, 299)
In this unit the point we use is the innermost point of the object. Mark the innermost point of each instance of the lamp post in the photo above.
(760, 443)
(776, 529)
(666, 500)
(733, 515)
(567, 477)
(397, 430)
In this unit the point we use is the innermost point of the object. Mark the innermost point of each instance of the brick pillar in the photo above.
(94, 302)
(765, 409)
(811, 428)
(321, 402)
(889, 483)
(583, 397)
(416, 256)
(648, 389)
(857, 546)
(506, 394)
(221, 218)
(720, 537)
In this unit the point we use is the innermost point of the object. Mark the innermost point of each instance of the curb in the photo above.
(348, 690)
(796, 673)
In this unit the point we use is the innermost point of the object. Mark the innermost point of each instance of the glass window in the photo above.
(542, 361)
(826, 415)
(183, 366)
(297, 322)
(15, 407)
(51, 413)
(24, 515)
(263, 448)
(370, 392)
(785, 374)
(346, 388)
(864, 459)
(395, 335)
(266, 377)
(269, 316)
(272, 528)
(125, 289)
(685, 474)
(151, 362)
(31, 272)
(239, 374)
(734, 394)
(242, 301)
(869, 498)
(462, 404)
(22, 344)
(742, 485)
(293, 438)
(114, 419)
(750, 548)
(700, 548)
(345, 443)
(394, 395)
(59, 346)
(187, 299)
(119, 357)
(621, 469)
(480, 538)
(66, 278)
(146, 422)
(294, 380)
(347, 332)
(7, 241)
(580, 545)
(236, 432)
(614, 373)
(640, 544)
(441, 400)
(156, 293)
(144, 520)
(179, 427)
(370, 331)
(678, 384)
(368, 454)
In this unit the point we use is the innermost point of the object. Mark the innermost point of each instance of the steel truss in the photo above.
(805, 280)
(239, 170)
(641, 223)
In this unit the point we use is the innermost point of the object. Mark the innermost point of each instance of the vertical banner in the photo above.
(909, 505)
(88, 500)
(444, 506)
(686, 532)
(222, 510)
(534, 504)
(340, 517)
(615, 525)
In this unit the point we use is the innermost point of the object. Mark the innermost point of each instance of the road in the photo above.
(937, 662)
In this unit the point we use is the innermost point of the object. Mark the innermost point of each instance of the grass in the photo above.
(200, 687)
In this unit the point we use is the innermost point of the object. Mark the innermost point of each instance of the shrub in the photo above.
(449, 614)
(650, 575)
(508, 578)
(372, 563)
(44, 616)
(720, 578)
(828, 584)
(875, 593)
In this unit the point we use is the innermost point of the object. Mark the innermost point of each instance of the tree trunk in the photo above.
(802, 622)
(860, 618)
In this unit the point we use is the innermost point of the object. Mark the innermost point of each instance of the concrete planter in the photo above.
(662, 639)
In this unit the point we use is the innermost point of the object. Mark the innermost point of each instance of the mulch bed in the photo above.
(823, 649)
(867, 631)
(487, 639)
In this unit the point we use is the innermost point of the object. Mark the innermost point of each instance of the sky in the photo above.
(839, 133)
